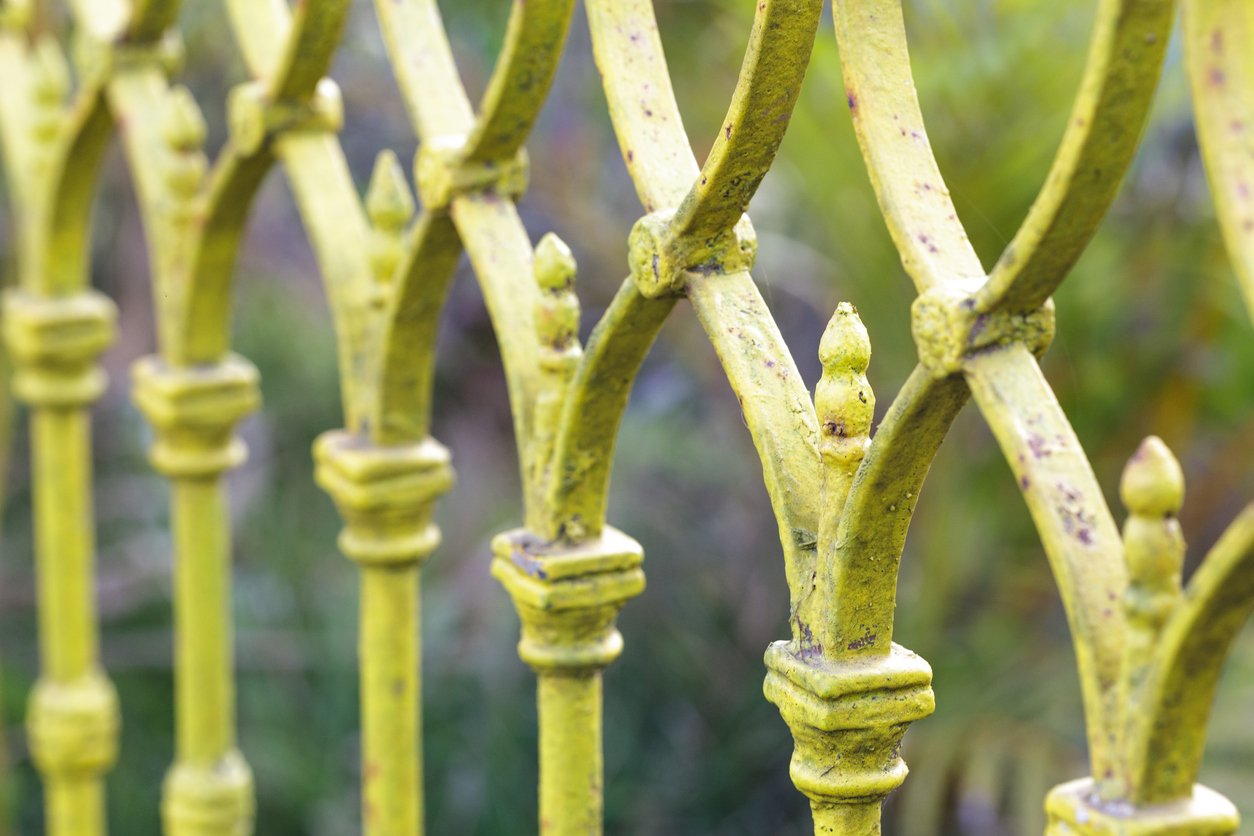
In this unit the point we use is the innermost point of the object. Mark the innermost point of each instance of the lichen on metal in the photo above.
(1149, 646)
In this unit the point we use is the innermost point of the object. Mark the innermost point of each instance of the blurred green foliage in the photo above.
(1152, 339)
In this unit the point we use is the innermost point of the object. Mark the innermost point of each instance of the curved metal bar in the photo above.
(14, 116)
(880, 92)
(578, 482)
(204, 331)
(1222, 77)
(333, 215)
(316, 28)
(258, 26)
(149, 19)
(1081, 541)
(778, 412)
(521, 80)
(489, 226)
(1125, 60)
(195, 279)
(628, 51)
(59, 264)
(501, 255)
(1169, 732)
(423, 62)
(863, 547)
(770, 82)
(411, 325)
(321, 182)
(309, 33)
(136, 99)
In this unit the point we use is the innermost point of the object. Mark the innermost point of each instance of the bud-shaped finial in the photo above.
(183, 130)
(182, 124)
(554, 265)
(1152, 489)
(844, 402)
(1152, 483)
(389, 205)
(389, 202)
(557, 332)
(557, 312)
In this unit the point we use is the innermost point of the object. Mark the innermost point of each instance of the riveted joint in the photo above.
(948, 328)
(568, 597)
(1074, 809)
(386, 496)
(444, 171)
(847, 719)
(255, 119)
(207, 799)
(73, 726)
(662, 262)
(194, 411)
(55, 342)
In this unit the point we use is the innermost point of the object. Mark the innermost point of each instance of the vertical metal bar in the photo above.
(571, 768)
(202, 576)
(386, 496)
(209, 789)
(391, 696)
(73, 715)
(65, 564)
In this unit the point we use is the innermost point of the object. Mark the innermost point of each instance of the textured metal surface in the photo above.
(1149, 648)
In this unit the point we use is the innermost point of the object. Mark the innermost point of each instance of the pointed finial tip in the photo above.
(389, 202)
(554, 264)
(1153, 482)
(845, 343)
(183, 125)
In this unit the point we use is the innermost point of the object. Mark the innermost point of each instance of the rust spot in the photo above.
(852, 99)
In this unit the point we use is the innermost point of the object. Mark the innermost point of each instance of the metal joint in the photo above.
(386, 496)
(443, 172)
(1074, 809)
(662, 260)
(194, 411)
(73, 725)
(948, 328)
(209, 798)
(55, 342)
(847, 719)
(568, 597)
(255, 119)
(96, 58)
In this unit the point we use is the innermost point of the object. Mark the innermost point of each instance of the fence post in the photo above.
(194, 411)
(74, 718)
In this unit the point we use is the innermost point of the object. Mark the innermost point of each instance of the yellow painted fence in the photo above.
(1149, 648)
